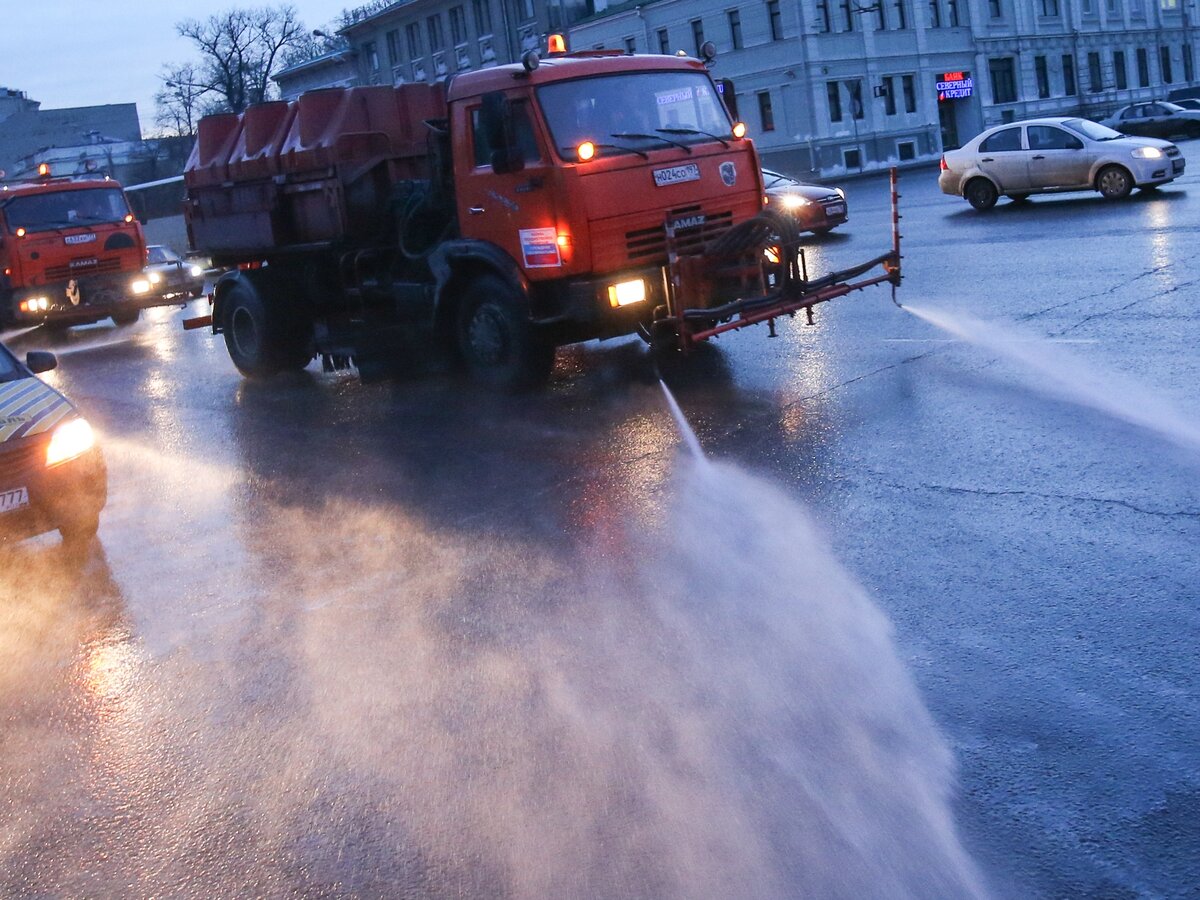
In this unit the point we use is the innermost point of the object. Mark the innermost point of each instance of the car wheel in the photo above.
(822, 229)
(496, 339)
(126, 316)
(1018, 198)
(79, 532)
(981, 194)
(1114, 182)
(261, 341)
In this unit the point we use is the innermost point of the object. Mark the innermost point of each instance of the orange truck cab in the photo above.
(71, 252)
(499, 215)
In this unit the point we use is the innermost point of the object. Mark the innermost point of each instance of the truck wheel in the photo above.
(1114, 182)
(126, 316)
(981, 194)
(260, 341)
(497, 342)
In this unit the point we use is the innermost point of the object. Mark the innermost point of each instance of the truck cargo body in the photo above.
(71, 252)
(510, 211)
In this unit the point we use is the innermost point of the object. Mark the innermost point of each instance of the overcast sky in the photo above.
(85, 53)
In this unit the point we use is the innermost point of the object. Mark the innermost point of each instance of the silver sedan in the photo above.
(1055, 154)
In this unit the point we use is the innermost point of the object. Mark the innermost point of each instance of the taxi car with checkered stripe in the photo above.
(52, 474)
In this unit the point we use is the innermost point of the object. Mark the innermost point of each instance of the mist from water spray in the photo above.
(1069, 377)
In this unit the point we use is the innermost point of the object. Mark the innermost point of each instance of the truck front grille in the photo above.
(649, 245)
(103, 266)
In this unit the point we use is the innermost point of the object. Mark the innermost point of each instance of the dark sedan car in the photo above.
(172, 276)
(52, 475)
(814, 207)
(1157, 120)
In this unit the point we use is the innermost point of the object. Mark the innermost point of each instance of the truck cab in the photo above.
(71, 252)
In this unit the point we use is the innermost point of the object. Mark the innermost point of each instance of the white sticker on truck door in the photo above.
(539, 247)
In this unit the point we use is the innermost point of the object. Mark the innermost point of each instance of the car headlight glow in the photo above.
(154, 277)
(196, 271)
(71, 439)
(141, 286)
(1147, 153)
(793, 201)
(627, 292)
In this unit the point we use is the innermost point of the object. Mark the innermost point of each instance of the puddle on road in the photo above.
(710, 708)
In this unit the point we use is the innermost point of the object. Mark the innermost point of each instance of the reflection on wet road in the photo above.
(407, 639)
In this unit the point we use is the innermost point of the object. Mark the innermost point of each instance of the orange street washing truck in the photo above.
(71, 252)
(501, 214)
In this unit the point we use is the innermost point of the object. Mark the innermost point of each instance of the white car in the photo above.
(1056, 154)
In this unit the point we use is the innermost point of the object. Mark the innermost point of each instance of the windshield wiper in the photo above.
(651, 137)
(715, 137)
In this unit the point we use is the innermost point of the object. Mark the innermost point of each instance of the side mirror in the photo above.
(39, 361)
(499, 131)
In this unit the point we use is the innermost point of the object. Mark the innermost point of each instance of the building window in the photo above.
(527, 10)
(889, 95)
(833, 92)
(908, 83)
(1049, 7)
(824, 23)
(1043, 76)
(433, 26)
(698, 34)
(901, 14)
(414, 40)
(372, 56)
(735, 29)
(952, 5)
(458, 25)
(1088, 7)
(1135, 8)
(1095, 76)
(775, 17)
(1164, 57)
(847, 7)
(935, 14)
(852, 157)
(630, 45)
(994, 9)
(1143, 59)
(393, 47)
(880, 16)
(907, 150)
(1004, 80)
(1119, 75)
(1068, 64)
(1189, 64)
(1112, 7)
(854, 89)
(483, 16)
(1169, 5)
(765, 115)
(664, 42)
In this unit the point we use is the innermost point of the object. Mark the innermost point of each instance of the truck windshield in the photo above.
(66, 209)
(633, 112)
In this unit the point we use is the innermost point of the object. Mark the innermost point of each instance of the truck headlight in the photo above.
(141, 286)
(71, 439)
(625, 293)
(1147, 153)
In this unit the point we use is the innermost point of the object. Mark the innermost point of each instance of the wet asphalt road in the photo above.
(407, 639)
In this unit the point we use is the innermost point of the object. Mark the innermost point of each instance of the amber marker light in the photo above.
(557, 44)
(43, 170)
(20, 232)
(128, 218)
(585, 151)
(739, 130)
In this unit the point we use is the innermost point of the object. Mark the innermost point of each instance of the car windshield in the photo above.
(773, 179)
(9, 371)
(634, 112)
(162, 255)
(1092, 130)
(1173, 107)
(66, 209)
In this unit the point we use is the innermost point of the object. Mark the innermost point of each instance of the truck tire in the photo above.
(260, 341)
(498, 344)
(126, 316)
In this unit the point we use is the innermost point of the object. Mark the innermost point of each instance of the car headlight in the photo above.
(793, 201)
(196, 271)
(627, 292)
(71, 439)
(141, 286)
(840, 193)
(1147, 153)
(154, 277)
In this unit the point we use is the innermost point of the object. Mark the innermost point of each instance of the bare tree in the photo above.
(181, 102)
(239, 51)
